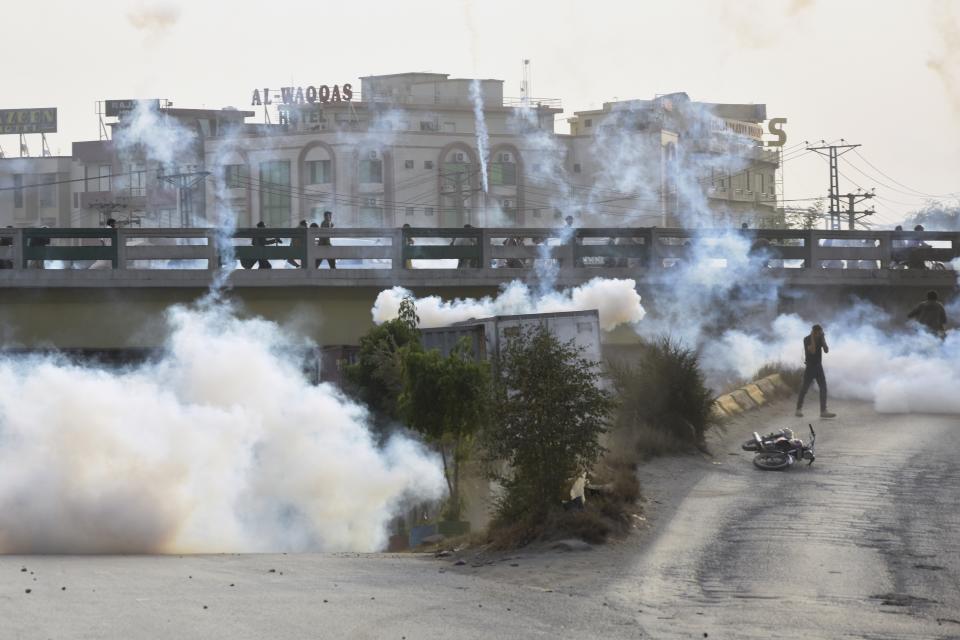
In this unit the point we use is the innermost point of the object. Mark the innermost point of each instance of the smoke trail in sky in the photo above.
(221, 445)
(946, 63)
(155, 19)
(483, 137)
(616, 301)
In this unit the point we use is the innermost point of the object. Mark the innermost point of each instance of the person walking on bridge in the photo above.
(814, 346)
(931, 314)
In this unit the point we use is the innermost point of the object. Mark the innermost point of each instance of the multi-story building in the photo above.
(405, 149)
(406, 153)
(704, 163)
(34, 192)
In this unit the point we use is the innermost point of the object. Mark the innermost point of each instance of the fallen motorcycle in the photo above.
(780, 449)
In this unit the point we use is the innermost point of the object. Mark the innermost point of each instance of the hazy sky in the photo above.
(885, 74)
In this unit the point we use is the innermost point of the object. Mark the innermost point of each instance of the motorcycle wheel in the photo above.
(771, 460)
(749, 445)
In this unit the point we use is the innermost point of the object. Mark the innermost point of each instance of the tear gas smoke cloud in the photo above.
(381, 132)
(151, 136)
(156, 137)
(899, 371)
(946, 64)
(757, 24)
(544, 160)
(156, 19)
(719, 283)
(220, 446)
(616, 301)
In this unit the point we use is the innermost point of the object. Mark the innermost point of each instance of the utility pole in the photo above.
(852, 214)
(833, 152)
(185, 182)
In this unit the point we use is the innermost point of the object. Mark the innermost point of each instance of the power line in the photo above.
(928, 195)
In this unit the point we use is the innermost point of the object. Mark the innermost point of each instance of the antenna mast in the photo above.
(525, 85)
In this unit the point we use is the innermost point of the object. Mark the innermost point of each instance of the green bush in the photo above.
(664, 400)
(549, 413)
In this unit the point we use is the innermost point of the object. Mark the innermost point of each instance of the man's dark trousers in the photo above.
(811, 373)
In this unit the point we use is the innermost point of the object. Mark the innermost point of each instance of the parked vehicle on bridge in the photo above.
(780, 449)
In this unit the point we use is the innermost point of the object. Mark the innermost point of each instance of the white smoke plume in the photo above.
(483, 137)
(899, 371)
(617, 302)
(719, 284)
(150, 134)
(220, 446)
(154, 19)
(946, 63)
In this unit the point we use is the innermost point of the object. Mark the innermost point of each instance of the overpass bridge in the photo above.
(99, 288)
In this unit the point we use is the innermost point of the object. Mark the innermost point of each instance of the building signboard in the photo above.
(116, 108)
(42, 120)
(775, 127)
(303, 95)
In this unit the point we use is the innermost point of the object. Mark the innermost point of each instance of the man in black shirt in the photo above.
(814, 346)
(931, 314)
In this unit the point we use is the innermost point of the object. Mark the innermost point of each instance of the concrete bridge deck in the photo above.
(122, 282)
(464, 257)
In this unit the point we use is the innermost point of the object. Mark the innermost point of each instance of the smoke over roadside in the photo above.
(616, 301)
(220, 446)
(899, 371)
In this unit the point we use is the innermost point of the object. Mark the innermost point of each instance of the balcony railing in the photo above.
(499, 252)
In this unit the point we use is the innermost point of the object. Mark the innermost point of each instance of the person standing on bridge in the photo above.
(296, 242)
(931, 314)
(325, 242)
(814, 346)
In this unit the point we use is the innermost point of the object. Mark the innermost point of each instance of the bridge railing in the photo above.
(502, 249)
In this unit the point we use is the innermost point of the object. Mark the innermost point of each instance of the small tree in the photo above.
(377, 377)
(550, 411)
(447, 400)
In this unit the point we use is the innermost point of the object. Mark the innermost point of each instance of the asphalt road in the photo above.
(863, 544)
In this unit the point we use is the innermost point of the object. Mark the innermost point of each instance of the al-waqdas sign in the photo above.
(323, 94)
(28, 120)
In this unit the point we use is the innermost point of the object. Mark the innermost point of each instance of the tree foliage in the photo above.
(447, 400)
(549, 413)
(377, 377)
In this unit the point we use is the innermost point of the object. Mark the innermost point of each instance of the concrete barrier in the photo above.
(755, 394)
(750, 396)
(728, 405)
(743, 399)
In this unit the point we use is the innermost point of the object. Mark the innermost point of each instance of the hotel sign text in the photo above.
(303, 95)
